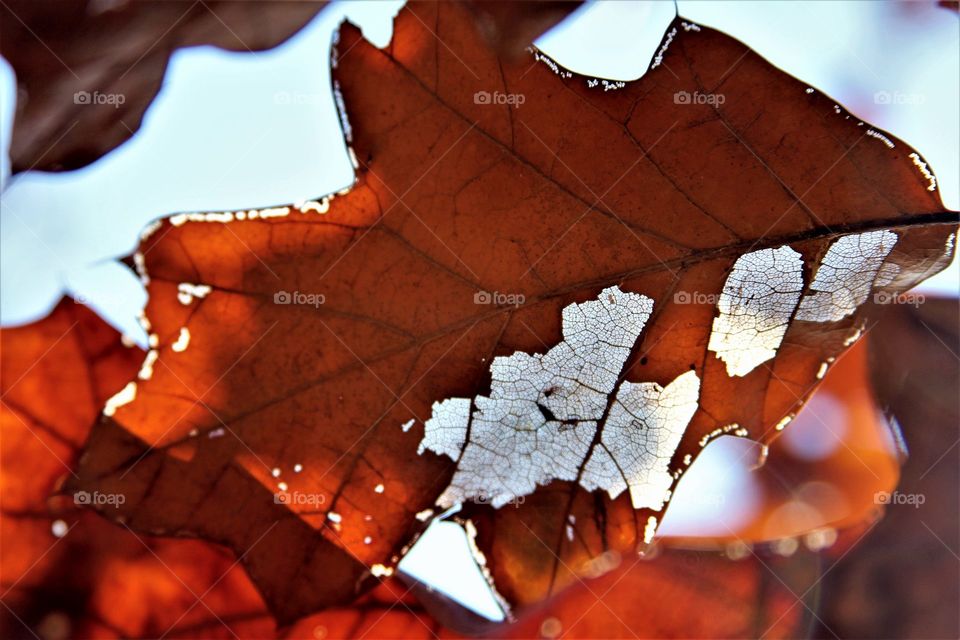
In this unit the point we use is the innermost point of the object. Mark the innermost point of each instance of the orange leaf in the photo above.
(723, 249)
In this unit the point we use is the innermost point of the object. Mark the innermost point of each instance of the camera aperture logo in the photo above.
(98, 499)
(695, 297)
(886, 497)
(499, 299)
(97, 98)
(299, 297)
(893, 297)
(498, 97)
(698, 97)
(299, 498)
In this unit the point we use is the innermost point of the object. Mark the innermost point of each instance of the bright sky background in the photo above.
(241, 130)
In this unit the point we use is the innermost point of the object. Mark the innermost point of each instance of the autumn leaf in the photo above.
(86, 71)
(537, 280)
(912, 549)
(824, 473)
(680, 594)
(102, 580)
(69, 573)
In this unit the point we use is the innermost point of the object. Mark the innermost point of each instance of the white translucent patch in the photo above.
(756, 304)
(920, 164)
(642, 432)
(224, 217)
(822, 371)
(784, 421)
(150, 229)
(734, 428)
(122, 397)
(608, 85)
(407, 425)
(882, 138)
(183, 341)
(658, 59)
(317, 206)
(446, 431)
(140, 264)
(187, 291)
(146, 369)
(649, 530)
(547, 60)
(540, 419)
(342, 110)
(846, 275)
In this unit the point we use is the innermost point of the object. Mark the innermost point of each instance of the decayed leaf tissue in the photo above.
(543, 307)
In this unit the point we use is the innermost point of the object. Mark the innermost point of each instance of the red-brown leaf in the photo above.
(577, 189)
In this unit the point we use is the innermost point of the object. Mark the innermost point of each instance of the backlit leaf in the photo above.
(585, 276)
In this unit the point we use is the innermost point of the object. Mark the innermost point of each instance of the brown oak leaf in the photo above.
(717, 224)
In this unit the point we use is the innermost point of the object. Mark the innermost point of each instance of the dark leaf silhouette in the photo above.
(87, 71)
(719, 225)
